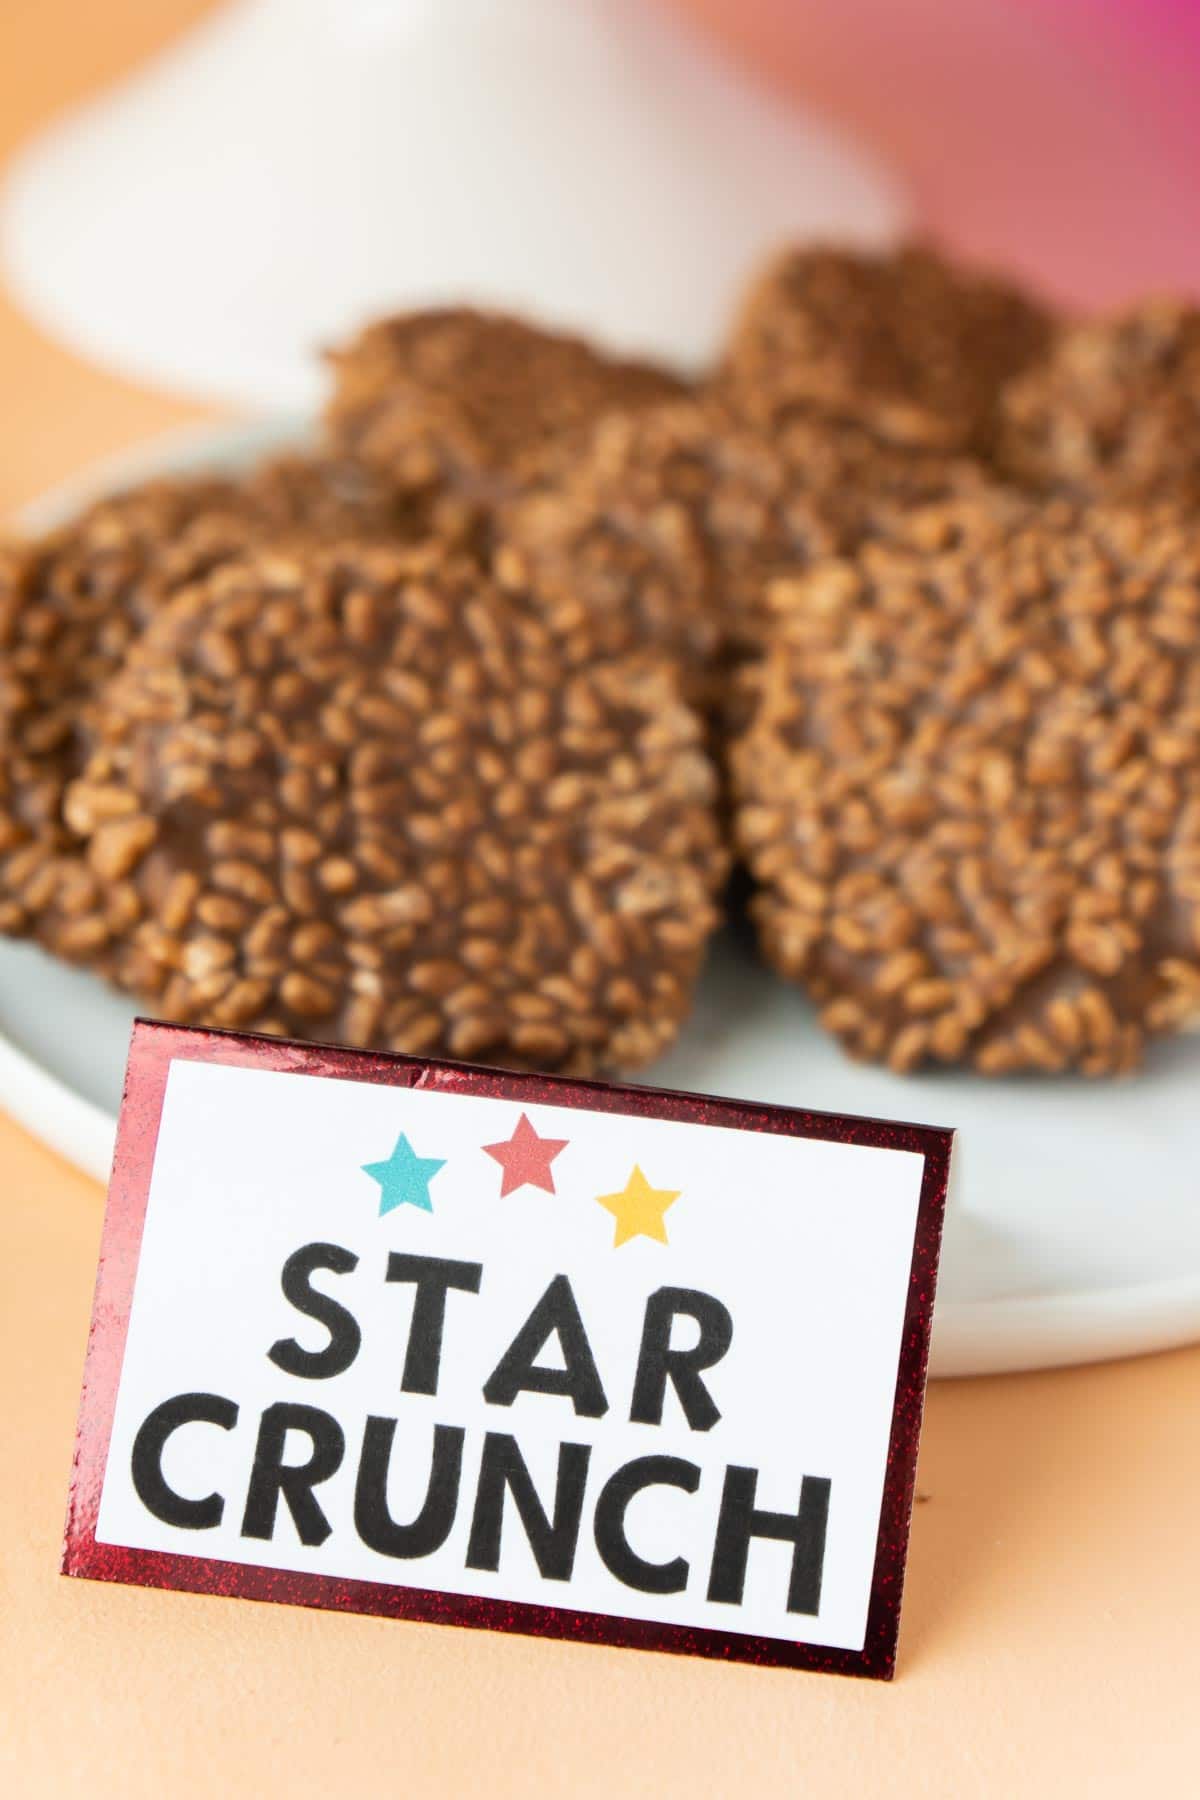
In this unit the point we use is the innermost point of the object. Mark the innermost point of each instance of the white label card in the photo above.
(434, 1337)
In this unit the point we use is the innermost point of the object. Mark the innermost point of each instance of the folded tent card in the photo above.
(511, 1351)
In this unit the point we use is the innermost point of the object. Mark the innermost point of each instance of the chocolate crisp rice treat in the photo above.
(463, 400)
(73, 602)
(1115, 411)
(970, 794)
(671, 522)
(906, 345)
(355, 796)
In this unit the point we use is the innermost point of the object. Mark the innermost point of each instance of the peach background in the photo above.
(1049, 1644)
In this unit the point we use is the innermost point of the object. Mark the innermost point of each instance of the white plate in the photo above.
(1074, 1232)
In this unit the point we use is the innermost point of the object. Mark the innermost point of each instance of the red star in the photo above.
(525, 1158)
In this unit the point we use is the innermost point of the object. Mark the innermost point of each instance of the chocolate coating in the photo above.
(970, 791)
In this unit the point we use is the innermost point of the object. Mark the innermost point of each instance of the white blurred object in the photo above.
(293, 166)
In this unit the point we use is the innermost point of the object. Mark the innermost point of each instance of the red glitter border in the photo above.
(155, 1046)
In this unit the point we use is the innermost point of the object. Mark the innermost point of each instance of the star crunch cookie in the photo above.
(464, 399)
(672, 522)
(73, 602)
(906, 345)
(970, 792)
(1114, 412)
(354, 796)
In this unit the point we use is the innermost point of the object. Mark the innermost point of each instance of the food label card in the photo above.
(509, 1351)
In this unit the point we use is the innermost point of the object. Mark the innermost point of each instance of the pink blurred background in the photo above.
(1060, 138)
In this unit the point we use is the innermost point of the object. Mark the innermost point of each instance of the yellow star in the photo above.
(638, 1209)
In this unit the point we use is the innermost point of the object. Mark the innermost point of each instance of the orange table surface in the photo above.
(1049, 1643)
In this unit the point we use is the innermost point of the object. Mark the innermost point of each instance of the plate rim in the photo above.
(970, 1337)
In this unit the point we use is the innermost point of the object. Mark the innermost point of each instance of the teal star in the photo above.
(404, 1179)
